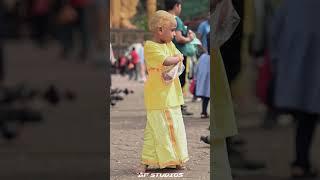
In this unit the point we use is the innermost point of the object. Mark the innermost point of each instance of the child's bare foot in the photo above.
(141, 168)
(180, 167)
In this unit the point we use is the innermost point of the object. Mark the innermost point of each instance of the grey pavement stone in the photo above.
(61, 145)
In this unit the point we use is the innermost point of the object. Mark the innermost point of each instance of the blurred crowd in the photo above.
(70, 22)
(75, 26)
(130, 63)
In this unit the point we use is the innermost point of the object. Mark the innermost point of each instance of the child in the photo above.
(203, 80)
(165, 142)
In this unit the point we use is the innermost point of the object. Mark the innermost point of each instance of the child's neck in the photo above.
(158, 40)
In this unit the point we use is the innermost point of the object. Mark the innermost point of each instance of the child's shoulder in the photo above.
(155, 45)
(151, 44)
(171, 44)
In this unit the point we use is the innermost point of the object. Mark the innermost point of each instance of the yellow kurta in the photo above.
(222, 123)
(165, 142)
(158, 95)
(223, 120)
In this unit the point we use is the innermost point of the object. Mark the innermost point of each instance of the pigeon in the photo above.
(52, 95)
(70, 95)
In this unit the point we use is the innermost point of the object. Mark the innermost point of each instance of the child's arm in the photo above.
(172, 60)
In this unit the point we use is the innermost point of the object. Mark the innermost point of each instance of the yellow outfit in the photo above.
(222, 122)
(158, 95)
(165, 142)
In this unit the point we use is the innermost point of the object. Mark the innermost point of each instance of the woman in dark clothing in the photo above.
(295, 54)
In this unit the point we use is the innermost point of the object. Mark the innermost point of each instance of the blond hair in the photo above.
(160, 19)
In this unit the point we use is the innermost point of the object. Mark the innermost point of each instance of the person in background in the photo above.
(183, 36)
(72, 15)
(202, 81)
(40, 20)
(259, 49)
(295, 54)
(231, 55)
(112, 58)
(142, 64)
(203, 32)
(134, 70)
(123, 65)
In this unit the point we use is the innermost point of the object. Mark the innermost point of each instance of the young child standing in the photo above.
(165, 142)
(202, 77)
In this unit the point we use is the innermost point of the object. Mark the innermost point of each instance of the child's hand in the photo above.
(179, 56)
(173, 60)
(166, 77)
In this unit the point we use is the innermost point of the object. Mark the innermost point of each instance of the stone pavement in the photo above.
(128, 119)
(274, 147)
(70, 142)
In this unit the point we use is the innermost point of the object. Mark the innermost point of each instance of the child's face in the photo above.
(167, 33)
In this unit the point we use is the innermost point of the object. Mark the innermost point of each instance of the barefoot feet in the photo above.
(141, 168)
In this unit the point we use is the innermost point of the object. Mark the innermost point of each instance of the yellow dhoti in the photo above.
(165, 142)
(222, 122)
(220, 161)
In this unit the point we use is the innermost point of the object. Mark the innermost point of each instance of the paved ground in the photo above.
(128, 120)
(276, 149)
(70, 143)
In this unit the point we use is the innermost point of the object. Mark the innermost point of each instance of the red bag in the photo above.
(192, 86)
(264, 79)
